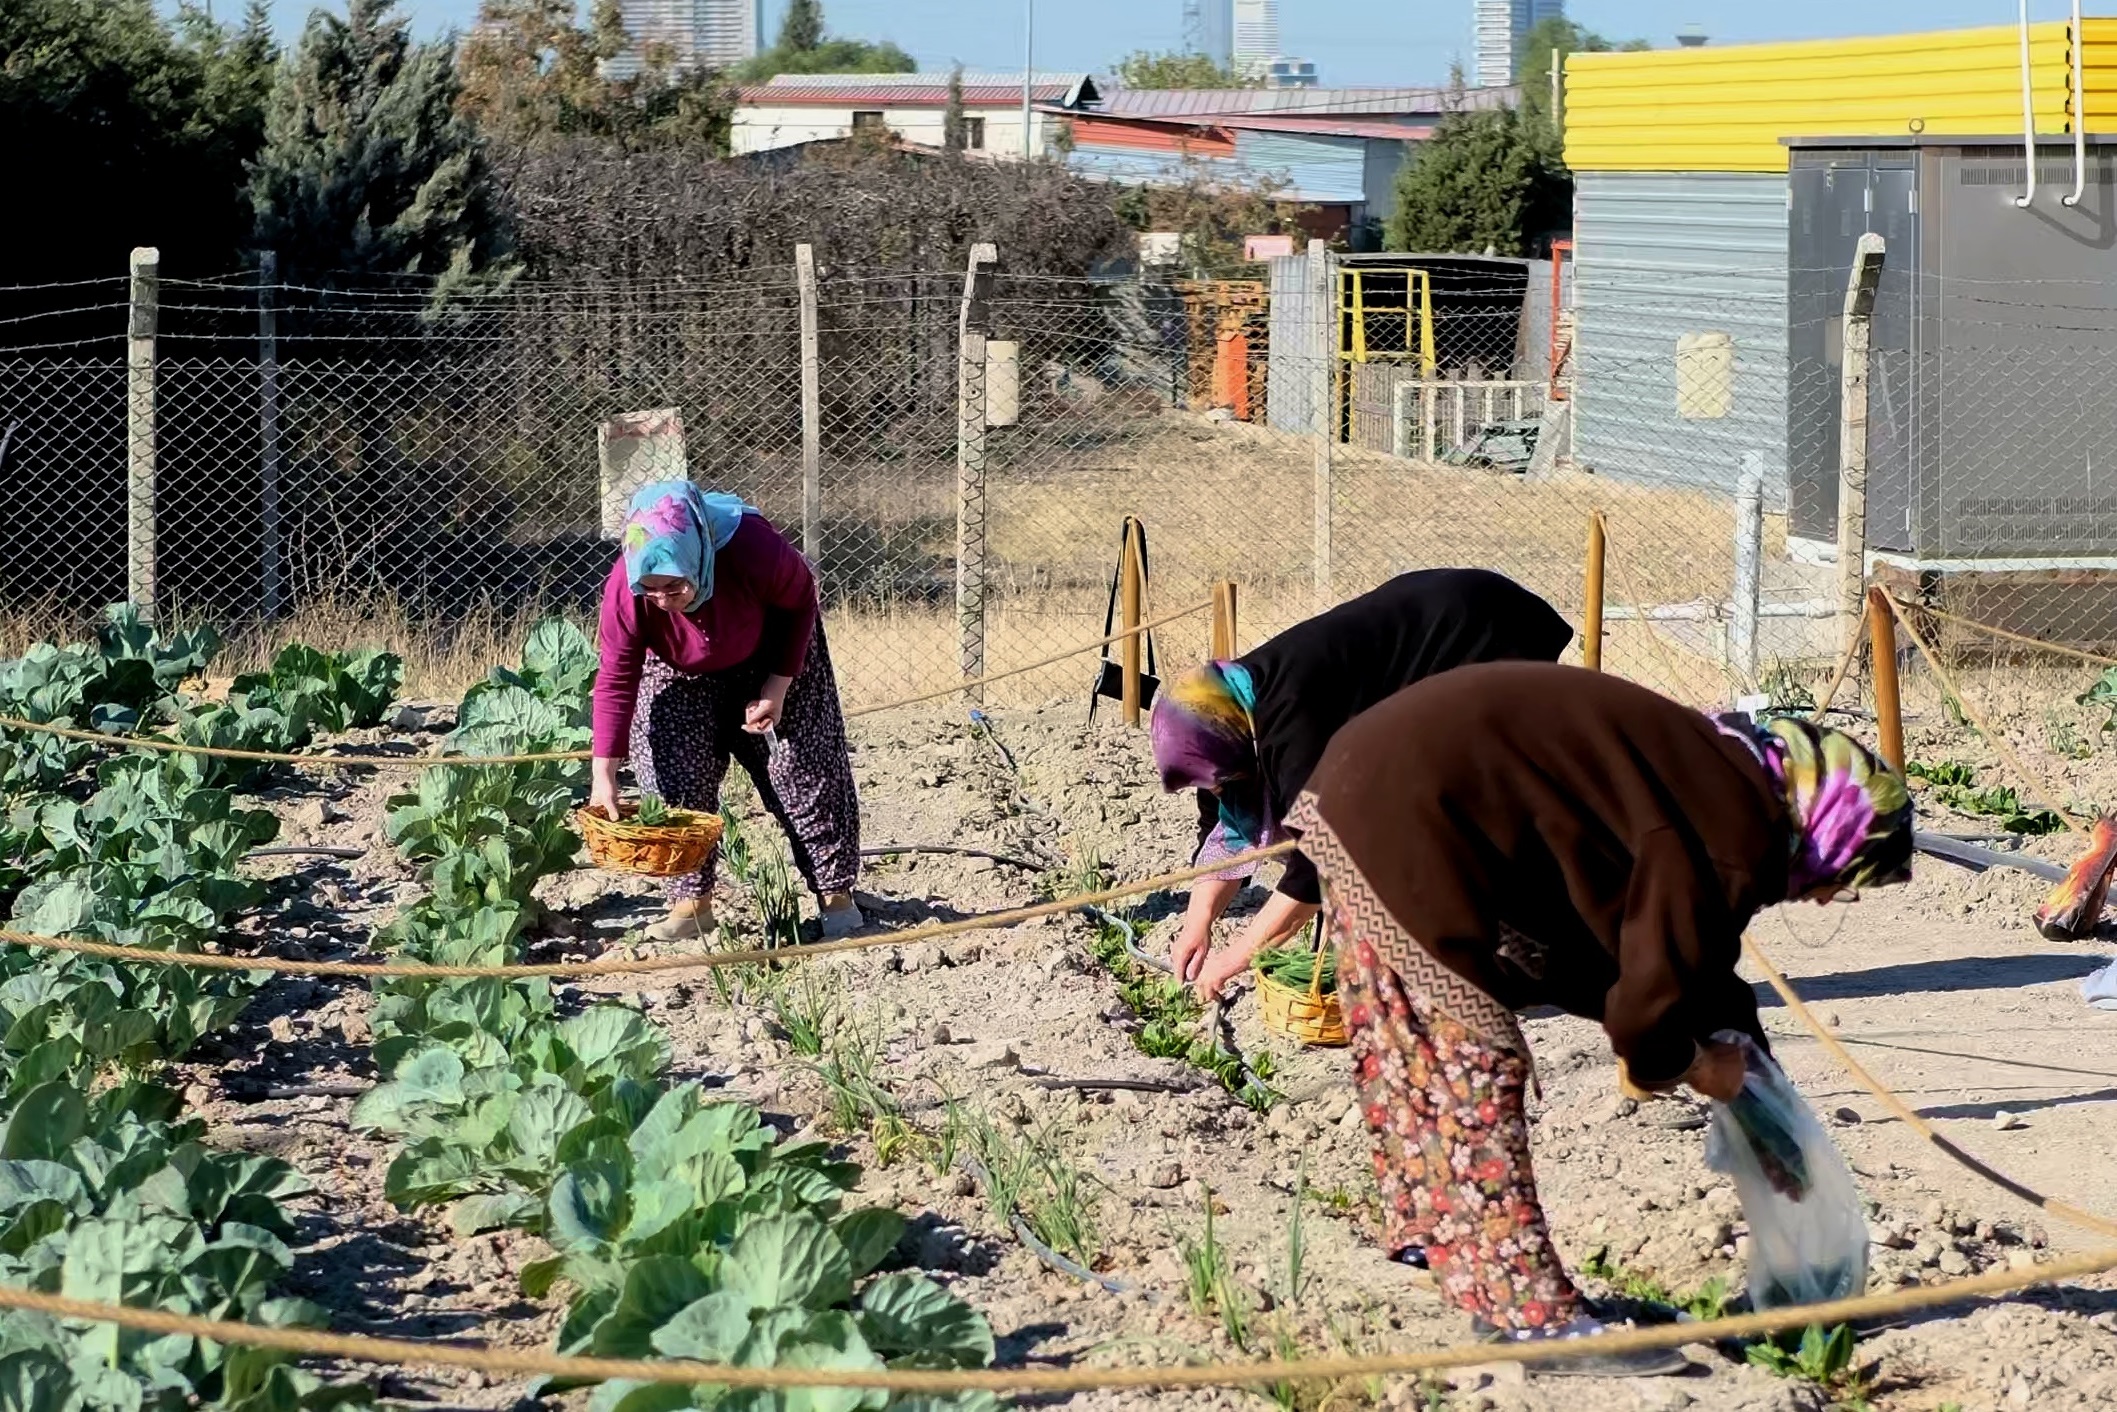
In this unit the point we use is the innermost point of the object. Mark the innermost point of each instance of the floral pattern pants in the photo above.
(1451, 1147)
(688, 727)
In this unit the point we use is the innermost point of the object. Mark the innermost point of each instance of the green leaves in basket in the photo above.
(1296, 966)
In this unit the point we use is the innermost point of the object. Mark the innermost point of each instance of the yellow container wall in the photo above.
(1725, 110)
(2099, 73)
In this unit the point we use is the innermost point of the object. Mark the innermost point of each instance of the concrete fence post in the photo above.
(811, 411)
(1322, 289)
(973, 327)
(140, 569)
(272, 584)
(1852, 439)
(1749, 568)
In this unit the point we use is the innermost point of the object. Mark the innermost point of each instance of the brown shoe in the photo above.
(688, 920)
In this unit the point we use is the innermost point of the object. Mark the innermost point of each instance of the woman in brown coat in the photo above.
(1520, 834)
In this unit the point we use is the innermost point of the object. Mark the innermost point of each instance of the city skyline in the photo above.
(1352, 42)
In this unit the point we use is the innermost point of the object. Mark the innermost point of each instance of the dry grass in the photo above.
(1220, 501)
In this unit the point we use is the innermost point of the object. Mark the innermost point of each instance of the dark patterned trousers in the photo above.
(1451, 1146)
(688, 727)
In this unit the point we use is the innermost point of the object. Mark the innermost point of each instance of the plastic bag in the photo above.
(1807, 1232)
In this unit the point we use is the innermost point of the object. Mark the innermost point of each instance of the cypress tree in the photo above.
(368, 168)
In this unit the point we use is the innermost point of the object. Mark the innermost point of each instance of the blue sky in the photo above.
(1351, 41)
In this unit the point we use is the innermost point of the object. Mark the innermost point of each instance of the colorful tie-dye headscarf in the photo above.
(675, 528)
(1850, 815)
(1204, 738)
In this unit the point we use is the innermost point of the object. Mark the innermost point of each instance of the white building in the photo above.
(713, 34)
(797, 108)
(1502, 25)
(1255, 25)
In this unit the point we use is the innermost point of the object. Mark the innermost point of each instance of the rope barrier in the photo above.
(429, 762)
(1998, 741)
(1850, 655)
(1118, 636)
(929, 931)
(2062, 1210)
(517, 1361)
(2011, 636)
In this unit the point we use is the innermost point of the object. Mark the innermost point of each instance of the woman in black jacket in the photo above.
(1246, 734)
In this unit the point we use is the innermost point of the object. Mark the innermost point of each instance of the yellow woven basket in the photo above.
(1301, 1013)
(657, 851)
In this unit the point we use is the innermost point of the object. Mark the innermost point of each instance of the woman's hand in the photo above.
(1718, 1071)
(1218, 969)
(602, 786)
(1279, 918)
(1209, 898)
(763, 714)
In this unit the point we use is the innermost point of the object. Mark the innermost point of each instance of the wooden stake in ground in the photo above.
(1888, 701)
(1131, 596)
(1224, 648)
(1591, 610)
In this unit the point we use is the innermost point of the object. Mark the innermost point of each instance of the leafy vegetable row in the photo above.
(680, 1226)
(105, 1193)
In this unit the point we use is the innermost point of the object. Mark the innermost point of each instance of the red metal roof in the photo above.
(1288, 102)
(1328, 127)
(1120, 134)
(1200, 133)
(896, 95)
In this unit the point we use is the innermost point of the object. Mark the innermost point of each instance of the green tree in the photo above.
(1561, 36)
(1490, 180)
(1143, 68)
(802, 29)
(125, 127)
(529, 73)
(805, 48)
(369, 168)
(955, 132)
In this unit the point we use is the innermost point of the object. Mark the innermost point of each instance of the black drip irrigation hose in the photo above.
(302, 851)
(949, 848)
(1223, 1032)
(1036, 1247)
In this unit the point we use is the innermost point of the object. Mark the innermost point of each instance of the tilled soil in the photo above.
(1942, 987)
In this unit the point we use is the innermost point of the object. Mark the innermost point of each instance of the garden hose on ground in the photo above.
(1035, 1246)
(1222, 1031)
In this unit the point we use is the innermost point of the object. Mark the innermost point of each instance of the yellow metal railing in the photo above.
(1352, 308)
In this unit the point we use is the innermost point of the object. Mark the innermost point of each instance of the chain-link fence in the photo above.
(956, 450)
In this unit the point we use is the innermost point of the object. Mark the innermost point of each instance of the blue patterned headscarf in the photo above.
(674, 528)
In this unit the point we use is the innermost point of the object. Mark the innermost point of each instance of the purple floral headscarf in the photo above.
(1850, 814)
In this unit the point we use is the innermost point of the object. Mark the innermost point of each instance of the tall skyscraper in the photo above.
(1209, 29)
(1502, 25)
(1255, 36)
(714, 34)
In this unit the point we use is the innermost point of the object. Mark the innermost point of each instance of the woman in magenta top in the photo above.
(712, 646)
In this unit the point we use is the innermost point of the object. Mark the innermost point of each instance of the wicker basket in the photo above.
(658, 851)
(1302, 1013)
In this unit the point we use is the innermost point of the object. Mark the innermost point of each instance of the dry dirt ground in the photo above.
(1943, 988)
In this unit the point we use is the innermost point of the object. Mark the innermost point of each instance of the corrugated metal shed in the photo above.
(1725, 109)
(1135, 167)
(1301, 167)
(1296, 348)
(1207, 102)
(1658, 256)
